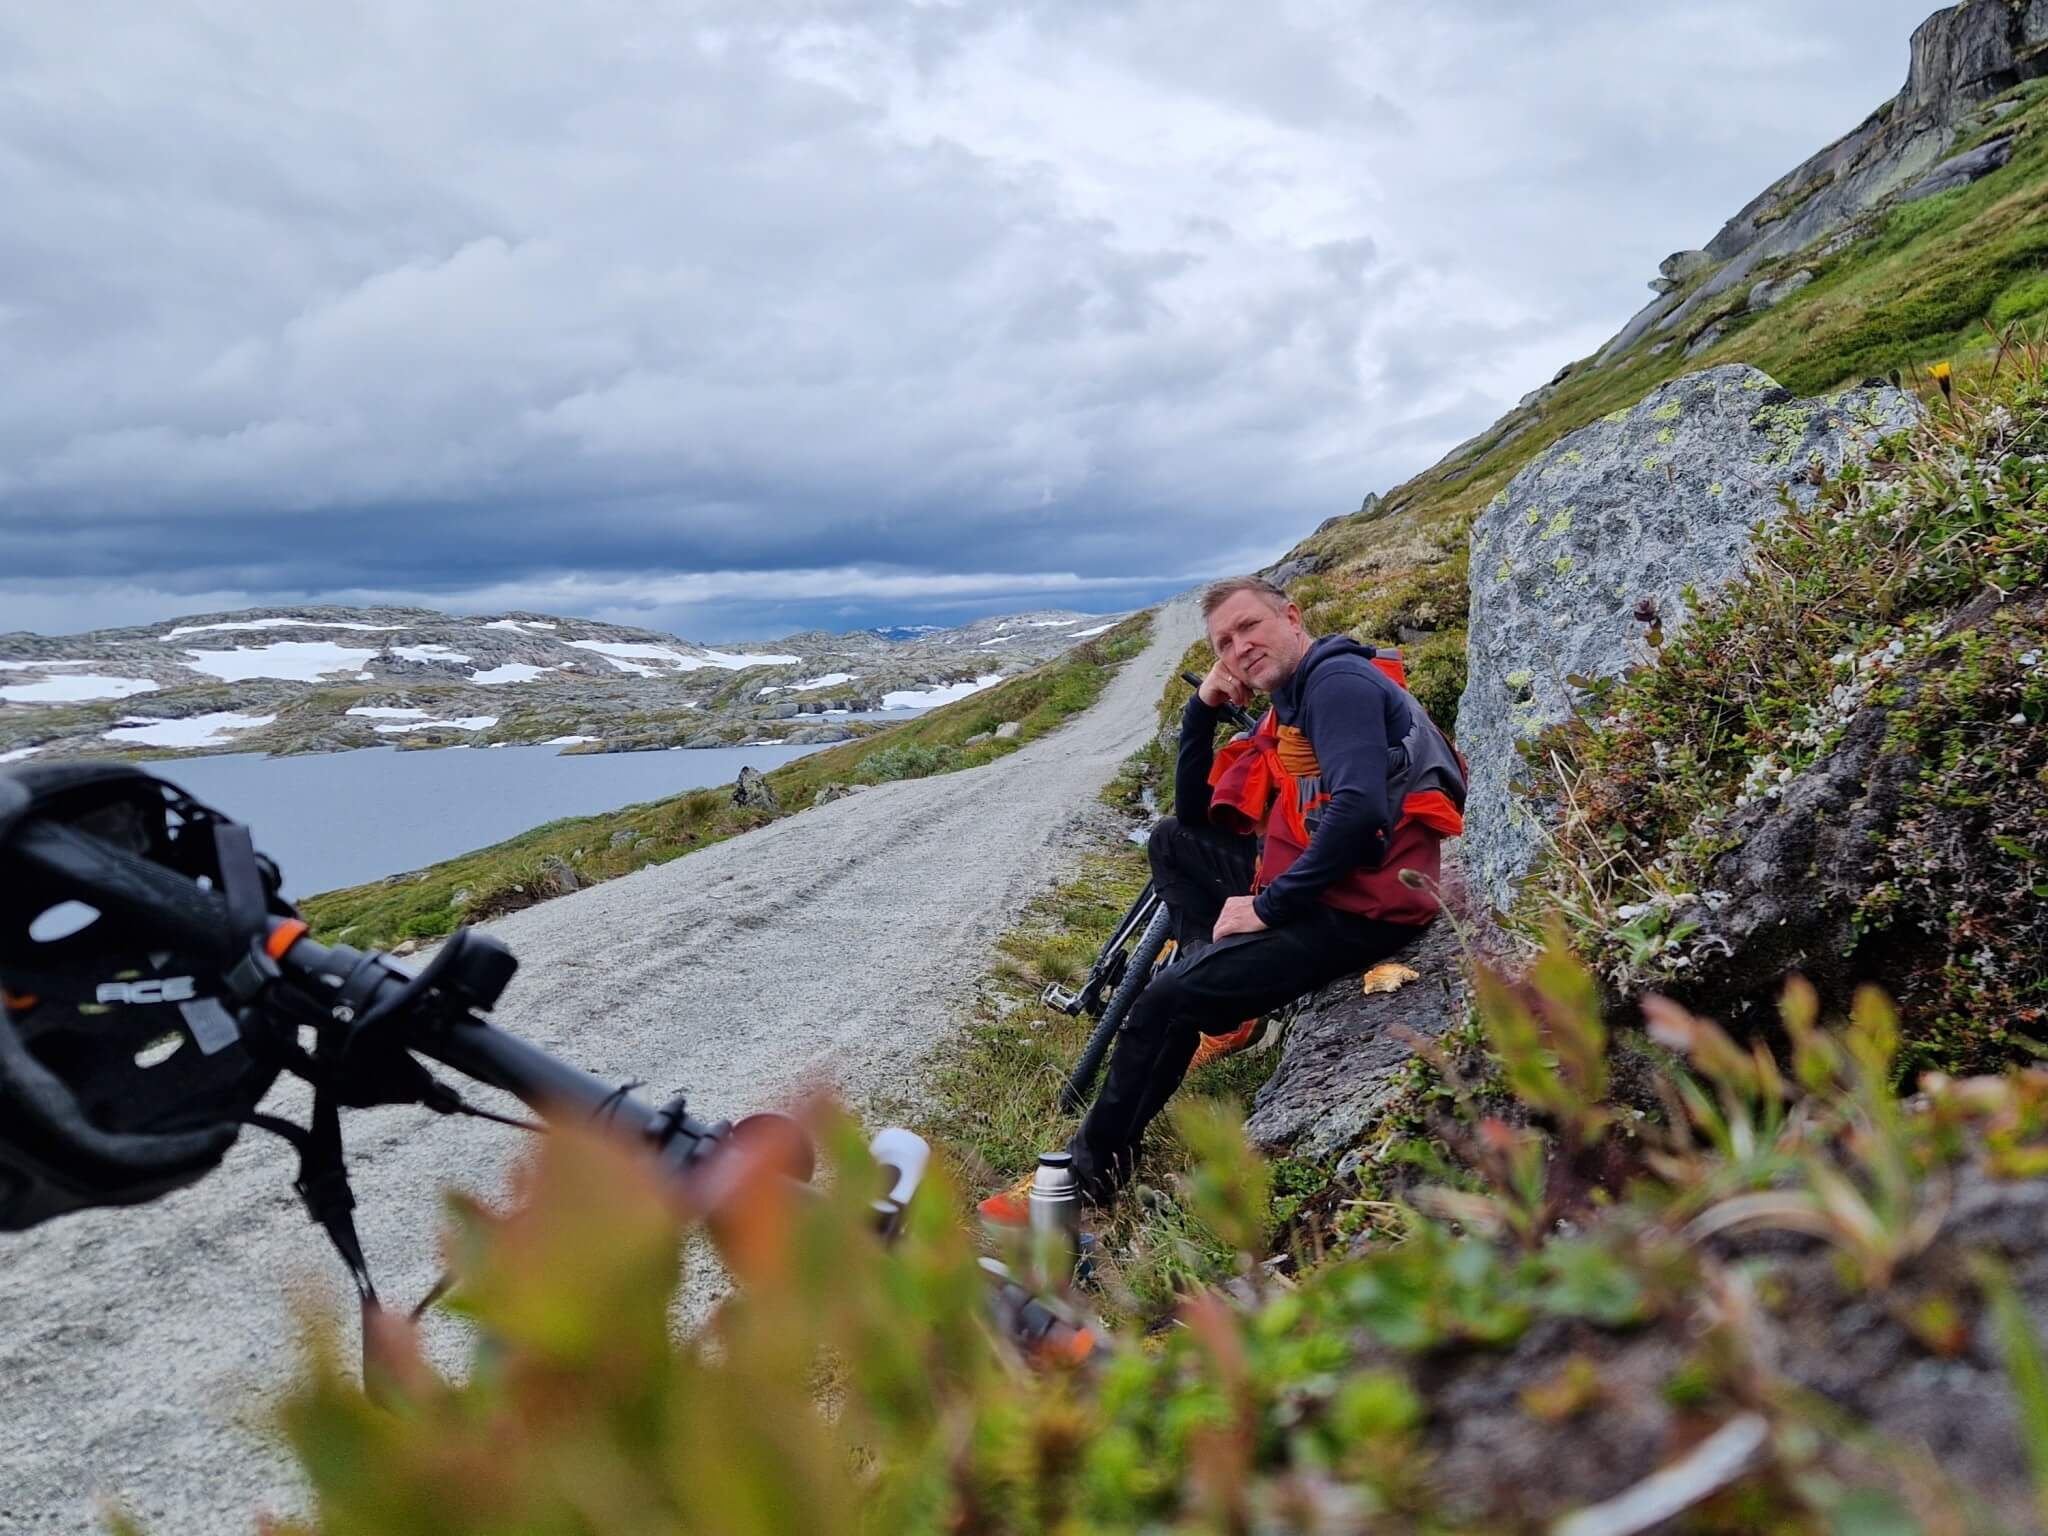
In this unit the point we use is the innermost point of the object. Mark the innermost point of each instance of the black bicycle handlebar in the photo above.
(374, 1006)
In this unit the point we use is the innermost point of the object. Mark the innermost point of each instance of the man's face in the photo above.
(1260, 643)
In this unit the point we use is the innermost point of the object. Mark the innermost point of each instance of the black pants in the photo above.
(1209, 987)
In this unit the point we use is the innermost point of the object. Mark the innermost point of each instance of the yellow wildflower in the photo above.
(1943, 375)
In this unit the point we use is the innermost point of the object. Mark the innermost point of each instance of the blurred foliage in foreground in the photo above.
(1571, 1310)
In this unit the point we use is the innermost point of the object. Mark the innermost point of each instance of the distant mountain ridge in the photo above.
(314, 678)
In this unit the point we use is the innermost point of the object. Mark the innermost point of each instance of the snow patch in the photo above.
(1049, 623)
(737, 661)
(18, 754)
(192, 731)
(300, 661)
(383, 712)
(467, 723)
(622, 654)
(520, 626)
(200, 629)
(1089, 634)
(428, 653)
(510, 672)
(38, 666)
(569, 741)
(76, 689)
(931, 698)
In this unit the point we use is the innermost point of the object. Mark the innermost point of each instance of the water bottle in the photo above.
(1055, 1207)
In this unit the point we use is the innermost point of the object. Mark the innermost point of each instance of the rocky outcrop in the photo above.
(1343, 1054)
(1961, 170)
(1961, 58)
(1595, 542)
(323, 678)
(1807, 850)
(753, 792)
(1288, 572)
(1776, 290)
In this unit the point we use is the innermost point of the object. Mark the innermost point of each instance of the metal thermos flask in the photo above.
(1055, 1204)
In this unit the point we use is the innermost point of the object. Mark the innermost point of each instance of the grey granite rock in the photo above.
(1962, 56)
(1776, 290)
(1342, 1057)
(1008, 730)
(1656, 312)
(1288, 572)
(753, 792)
(1961, 170)
(1629, 511)
(1681, 266)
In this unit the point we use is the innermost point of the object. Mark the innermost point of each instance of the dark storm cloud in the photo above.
(699, 311)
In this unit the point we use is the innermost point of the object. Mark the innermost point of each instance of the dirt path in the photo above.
(139, 1348)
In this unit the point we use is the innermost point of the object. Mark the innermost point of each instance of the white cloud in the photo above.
(605, 305)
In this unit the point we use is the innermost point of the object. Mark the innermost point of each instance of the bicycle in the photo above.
(1120, 974)
(370, 1020)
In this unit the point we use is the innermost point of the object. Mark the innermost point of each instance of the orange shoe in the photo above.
(1010, 1207)
(1216, 1047)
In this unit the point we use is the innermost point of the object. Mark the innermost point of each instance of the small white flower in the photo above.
(2017, 720)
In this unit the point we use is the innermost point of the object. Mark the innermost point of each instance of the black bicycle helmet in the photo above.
(123, 1067)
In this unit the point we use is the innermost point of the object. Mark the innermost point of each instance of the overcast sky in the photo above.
(738, 316)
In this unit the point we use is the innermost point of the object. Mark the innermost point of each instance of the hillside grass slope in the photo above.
(1917, 287)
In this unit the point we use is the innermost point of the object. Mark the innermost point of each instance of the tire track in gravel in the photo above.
(829, 949)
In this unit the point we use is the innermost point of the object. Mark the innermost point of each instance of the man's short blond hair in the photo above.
(1217, 593)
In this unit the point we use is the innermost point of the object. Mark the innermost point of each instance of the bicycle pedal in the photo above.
(1060, 1000)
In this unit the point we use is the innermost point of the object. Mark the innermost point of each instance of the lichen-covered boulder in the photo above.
(753, 792)
(1600, 536)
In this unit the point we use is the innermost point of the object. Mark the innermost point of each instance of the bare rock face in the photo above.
(1681, 267)
(1599, 536)
(1776, 290)
(1961, 57)
(1343, 1055)
(1961, 170)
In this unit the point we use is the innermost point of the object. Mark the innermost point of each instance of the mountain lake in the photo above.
(340, 818)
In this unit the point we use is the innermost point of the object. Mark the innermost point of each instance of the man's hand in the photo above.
(1238, 916)
(1222, 686)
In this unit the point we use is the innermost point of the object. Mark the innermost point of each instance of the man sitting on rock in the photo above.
(1286, 864)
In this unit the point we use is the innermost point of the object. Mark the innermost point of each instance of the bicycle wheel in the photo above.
(1137, 972)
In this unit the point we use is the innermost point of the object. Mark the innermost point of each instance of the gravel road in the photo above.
(140, 1349)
